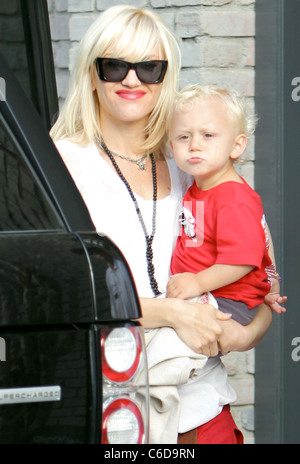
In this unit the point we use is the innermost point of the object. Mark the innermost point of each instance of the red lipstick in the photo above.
(131, 94)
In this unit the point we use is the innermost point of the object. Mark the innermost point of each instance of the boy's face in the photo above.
(205, 140)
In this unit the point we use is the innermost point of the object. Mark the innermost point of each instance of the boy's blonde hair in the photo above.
(236, 105)
(123, 32)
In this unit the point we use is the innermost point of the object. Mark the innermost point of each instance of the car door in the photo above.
(58, 305)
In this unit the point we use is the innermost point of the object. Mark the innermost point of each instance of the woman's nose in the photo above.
(131, 79)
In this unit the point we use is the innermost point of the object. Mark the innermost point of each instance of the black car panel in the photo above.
(60, 278)
(51, 372)
(72, 354)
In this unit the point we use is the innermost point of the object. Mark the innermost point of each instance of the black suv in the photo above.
(72, 356)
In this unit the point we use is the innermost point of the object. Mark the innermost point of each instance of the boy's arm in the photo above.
(274, 299)
(188, 285)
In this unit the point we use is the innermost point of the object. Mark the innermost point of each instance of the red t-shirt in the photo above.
(225, 225)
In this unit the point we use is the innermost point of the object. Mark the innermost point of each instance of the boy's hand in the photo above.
(274, 300)
(183, 286)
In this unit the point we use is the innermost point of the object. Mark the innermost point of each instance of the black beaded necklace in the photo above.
(148, 238)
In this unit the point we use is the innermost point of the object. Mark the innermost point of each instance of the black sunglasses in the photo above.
(148, 72)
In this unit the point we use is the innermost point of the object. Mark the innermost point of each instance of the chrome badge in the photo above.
(30, 395)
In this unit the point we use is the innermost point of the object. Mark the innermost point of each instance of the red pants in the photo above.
(221, 430)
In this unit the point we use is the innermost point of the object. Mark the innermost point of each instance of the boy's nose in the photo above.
(195, 143)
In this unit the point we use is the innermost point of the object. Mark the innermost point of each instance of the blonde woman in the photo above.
(111, 134)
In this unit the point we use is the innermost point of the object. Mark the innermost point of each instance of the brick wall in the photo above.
(218, 46)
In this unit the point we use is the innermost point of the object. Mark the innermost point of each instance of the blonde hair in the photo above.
(130, 33)
(235, 104)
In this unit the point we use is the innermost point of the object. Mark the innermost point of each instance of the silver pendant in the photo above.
(141, 165)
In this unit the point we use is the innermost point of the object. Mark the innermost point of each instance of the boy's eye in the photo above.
(208, 136)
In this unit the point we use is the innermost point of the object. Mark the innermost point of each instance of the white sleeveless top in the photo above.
(113, 214)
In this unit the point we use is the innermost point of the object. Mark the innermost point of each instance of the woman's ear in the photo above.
(94, 78)
(239, 146)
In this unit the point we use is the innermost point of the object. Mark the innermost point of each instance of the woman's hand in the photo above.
(197, 324)
(236, 337)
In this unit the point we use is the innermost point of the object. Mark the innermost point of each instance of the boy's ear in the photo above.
(239, 146)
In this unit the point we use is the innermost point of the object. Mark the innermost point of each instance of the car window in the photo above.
(25, 44)
(13, 43)
(23, 204)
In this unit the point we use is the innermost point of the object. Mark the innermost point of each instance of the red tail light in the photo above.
(121, 353)
(126, 412)
(125, 386)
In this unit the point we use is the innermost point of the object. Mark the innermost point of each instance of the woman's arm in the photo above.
(198, 325)
(242, 338)
(236, 337)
